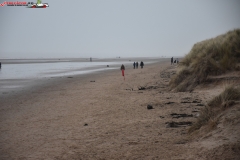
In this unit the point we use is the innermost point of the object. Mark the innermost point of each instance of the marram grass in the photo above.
(210, 57)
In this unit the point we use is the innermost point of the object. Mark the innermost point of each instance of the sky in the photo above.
(113, 28)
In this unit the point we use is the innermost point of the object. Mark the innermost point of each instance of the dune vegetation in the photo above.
(210, 113)
(208, 58)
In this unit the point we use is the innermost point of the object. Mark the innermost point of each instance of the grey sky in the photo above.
(110, 28)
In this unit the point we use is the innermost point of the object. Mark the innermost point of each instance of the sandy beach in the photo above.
(101, 116)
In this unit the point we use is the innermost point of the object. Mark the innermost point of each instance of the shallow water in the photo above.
(42, 70)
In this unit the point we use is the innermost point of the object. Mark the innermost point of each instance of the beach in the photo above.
(101, 116)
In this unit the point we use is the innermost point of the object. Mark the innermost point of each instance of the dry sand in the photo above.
(74, 118)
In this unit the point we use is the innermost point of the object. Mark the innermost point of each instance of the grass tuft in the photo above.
(205, 115)
(226, 98)
(209, 113)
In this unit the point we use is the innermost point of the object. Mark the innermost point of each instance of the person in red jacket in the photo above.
(123, 68)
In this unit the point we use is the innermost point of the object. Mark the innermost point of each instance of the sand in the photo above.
(101, 116)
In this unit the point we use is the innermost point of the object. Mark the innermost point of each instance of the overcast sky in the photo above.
(111, 28)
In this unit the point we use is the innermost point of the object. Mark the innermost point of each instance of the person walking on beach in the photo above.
(171, 60)
(137, 65)
(123, 68)
(0, 65)
(134, 65)
(141, 64)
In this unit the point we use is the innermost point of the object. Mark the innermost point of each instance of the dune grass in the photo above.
(210, 57)
(209, 114)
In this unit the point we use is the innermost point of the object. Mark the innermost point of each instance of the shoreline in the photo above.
(11, 86)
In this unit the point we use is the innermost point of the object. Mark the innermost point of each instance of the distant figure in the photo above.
(171, 60)
(0, 65)
(177, 61)
(90, 59)
(123, 68)
(141, 64)
(134, 65)
(137, 65)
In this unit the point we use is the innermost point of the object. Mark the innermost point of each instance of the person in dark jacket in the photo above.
(171, 60)
(134, 65)
(137, 65)
(122, 69)
(141, 64)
